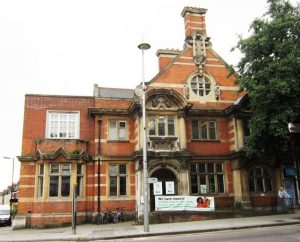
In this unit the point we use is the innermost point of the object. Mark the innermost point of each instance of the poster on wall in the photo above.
(203, 189)
(184, 203)
(157, 188)
(170, 188)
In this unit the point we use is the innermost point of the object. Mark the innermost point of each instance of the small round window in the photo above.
(201, 85)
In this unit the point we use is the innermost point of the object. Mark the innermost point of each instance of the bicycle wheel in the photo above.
(115, 218)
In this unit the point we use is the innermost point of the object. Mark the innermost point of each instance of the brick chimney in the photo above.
(194, 20)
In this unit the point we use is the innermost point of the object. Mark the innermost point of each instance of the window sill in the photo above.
(206, 140)
(118, 141)
(119, 197)
(40, 140)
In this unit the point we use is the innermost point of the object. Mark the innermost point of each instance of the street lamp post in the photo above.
(12, 180)
(143, 47)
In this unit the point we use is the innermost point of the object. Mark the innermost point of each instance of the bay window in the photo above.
(161, 125)
(59, 180)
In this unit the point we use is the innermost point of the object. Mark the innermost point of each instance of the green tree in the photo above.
(269, 72)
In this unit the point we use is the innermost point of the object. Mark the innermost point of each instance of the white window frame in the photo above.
(201, 85)
(59, 121)
(117, 129)
(166, 122)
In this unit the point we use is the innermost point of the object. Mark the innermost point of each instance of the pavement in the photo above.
(89, 232)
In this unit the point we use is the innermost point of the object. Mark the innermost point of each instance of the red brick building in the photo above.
(196, 127)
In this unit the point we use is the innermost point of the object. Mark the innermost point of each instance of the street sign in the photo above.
(152, 180)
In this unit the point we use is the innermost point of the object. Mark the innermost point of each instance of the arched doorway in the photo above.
(163, 175)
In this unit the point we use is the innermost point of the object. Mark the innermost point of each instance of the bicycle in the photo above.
(121, 215)
(110, 217)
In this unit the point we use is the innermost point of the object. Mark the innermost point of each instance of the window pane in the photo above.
(195, 131)
(54, 168)
(63, 128)
(258, 171)
(151, 125)
(220, 181)
(212, 130)
(113, 130)
(122, 130)
(219, 168)
(41, 169)
(66, 168)
(211, 179)
(194, 183)
(171, 127)
(79, 186)
(203, 131)
(259, 183)
(268, 184)
(251, 184)
(203, 179)
(210, 168)
(65, 186)
(53, 129)
(161, 126)
(40, 186)
(113, 186)
(122, 169)
(71, 129)
(202, 167)
(193, 167)
(123, 185)
(113, 170)
(79, 169)
(53, 188)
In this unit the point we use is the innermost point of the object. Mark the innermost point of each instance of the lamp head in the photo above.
(144, 46)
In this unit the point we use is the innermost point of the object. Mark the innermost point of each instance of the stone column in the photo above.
(182, 132)
(241, 191)
(240, 136)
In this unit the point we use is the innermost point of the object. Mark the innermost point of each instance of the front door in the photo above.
(164, 176)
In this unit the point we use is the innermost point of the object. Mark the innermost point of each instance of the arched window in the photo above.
(259, 180)
(201, 85)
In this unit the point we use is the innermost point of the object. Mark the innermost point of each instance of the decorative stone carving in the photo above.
(161, 101)
(157, 143)
(199, 50)
(186, 91)
(217, 92)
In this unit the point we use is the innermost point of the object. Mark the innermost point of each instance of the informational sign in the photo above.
(184, 203)
(170, 188)
(157, 188)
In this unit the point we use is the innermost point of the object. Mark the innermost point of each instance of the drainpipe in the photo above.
(99, 153)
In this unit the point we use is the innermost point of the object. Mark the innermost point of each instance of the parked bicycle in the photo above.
(121, 215)
(110, 217)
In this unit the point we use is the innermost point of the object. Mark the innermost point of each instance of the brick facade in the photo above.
(192, 89)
